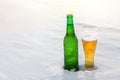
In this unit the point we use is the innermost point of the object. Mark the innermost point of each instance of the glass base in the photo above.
(89, 67)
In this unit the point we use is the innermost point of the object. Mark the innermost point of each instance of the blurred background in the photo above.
(36, 12)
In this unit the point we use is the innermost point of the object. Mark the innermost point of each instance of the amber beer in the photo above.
(89, 51)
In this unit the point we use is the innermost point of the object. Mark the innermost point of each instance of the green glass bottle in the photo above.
(70, 46)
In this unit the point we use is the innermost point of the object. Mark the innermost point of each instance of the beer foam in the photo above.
(90, 34)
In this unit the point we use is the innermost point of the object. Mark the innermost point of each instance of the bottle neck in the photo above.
(70, 25)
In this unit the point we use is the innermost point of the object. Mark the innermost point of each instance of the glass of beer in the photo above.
(89, 42)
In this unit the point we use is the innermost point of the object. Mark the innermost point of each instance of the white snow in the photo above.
(32, 32)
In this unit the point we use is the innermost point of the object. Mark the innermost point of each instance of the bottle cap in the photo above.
(69, 15)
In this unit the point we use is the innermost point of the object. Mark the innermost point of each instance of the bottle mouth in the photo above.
(69, 15)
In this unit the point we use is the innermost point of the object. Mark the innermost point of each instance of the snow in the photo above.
(32, 32)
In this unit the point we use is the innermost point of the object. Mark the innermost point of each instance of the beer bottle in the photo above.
(70, 46)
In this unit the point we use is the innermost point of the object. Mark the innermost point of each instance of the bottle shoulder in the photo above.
(70, 38)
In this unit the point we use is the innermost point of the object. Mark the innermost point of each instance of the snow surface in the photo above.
(32, 32)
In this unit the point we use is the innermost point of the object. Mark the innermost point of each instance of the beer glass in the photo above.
(89, 42)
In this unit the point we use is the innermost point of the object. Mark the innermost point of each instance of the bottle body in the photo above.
(70, 49)
(71, 53)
